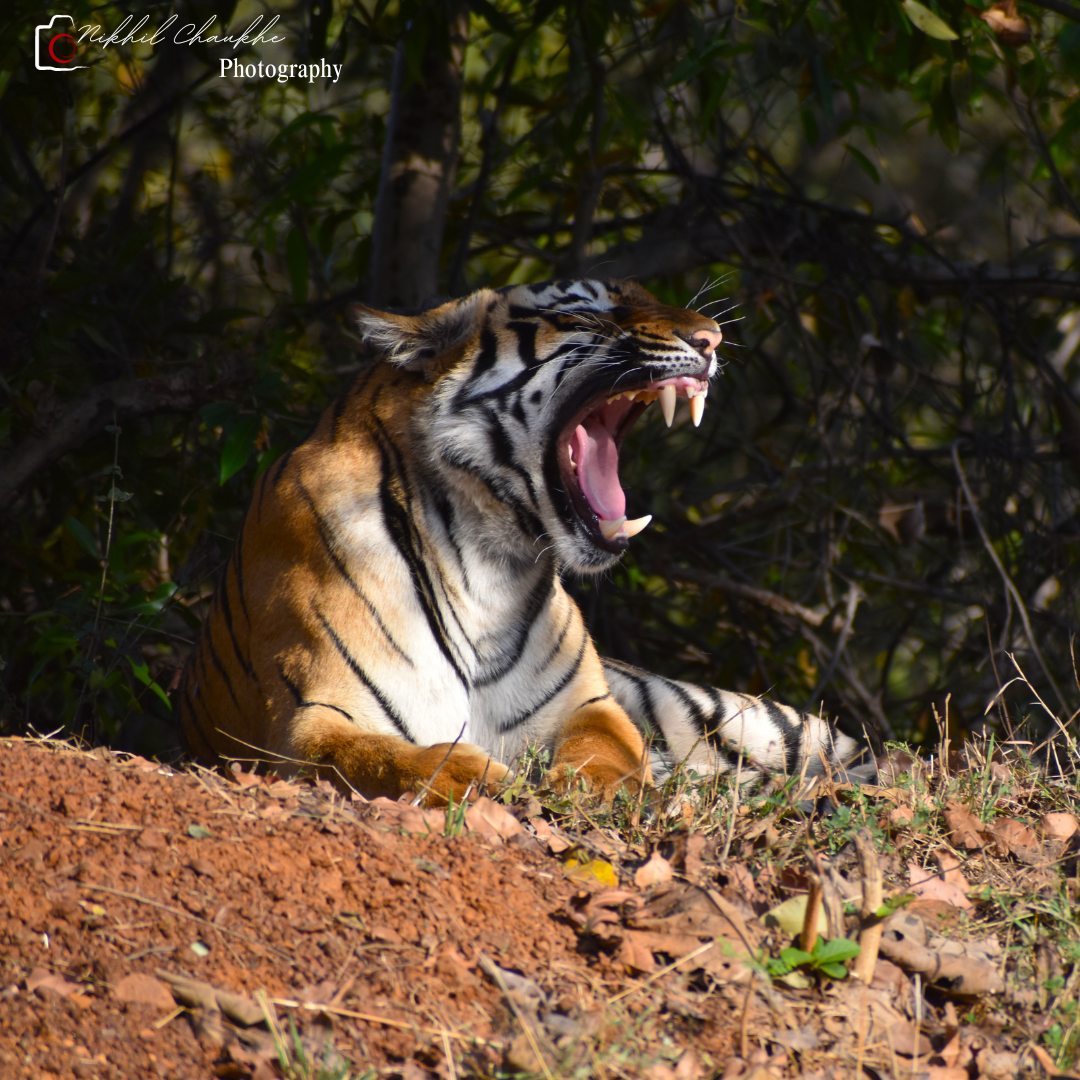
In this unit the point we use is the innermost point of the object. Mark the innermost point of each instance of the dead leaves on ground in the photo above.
(677, 924)
(246, 1033)
(969, 968)
(1011, 837)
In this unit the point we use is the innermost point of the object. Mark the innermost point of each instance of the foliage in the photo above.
(826, 958)
(881, 505)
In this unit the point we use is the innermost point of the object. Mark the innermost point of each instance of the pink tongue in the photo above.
(597, 459)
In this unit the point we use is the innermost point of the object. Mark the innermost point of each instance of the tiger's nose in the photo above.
(706, 341)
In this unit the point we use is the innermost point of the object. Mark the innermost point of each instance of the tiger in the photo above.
(393, 613)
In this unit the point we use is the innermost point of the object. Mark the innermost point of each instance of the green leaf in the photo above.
(238, 446)
(83, 537)
(142, 673)
(834, 971)
(823, 85)
(863, 162)
(213, 322)
(835, 950)
(891, 907)
(795, 957)
(199, 832)
(268, 457)
(218, 413)
(930, 24)
(494, 18)
(296, 258)
(305, 119)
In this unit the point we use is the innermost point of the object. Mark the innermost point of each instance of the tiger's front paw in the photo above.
(446, 770)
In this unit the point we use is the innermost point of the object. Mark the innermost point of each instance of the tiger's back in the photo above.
(393, 611)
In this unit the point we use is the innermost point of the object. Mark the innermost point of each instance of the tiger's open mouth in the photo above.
(588, 452)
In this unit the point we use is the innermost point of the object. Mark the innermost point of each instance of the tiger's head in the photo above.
(531, 391)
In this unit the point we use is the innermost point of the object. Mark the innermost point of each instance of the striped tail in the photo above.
(705, 729)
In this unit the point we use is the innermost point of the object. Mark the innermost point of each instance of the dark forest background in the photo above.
(881, 511)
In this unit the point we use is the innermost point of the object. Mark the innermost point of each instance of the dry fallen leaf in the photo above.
(692, 864)
(1013, 837)
(592, 872)
(788, 916)
(965, 829)
(961, 967)
(740, 878)
(41, 979)
(998, 1065)
(949, 865)
(930, 886)
(906, 1039)
(938, 915)
(144, 989)
(1009, 28)
(1059, 826)
(655, 871)
(488, 818)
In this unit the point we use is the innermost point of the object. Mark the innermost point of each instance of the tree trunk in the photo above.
(419, 161)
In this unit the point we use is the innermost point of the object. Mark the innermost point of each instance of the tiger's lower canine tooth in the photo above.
(632, 528)
(667, 403)
(697, 409)
(610, 528)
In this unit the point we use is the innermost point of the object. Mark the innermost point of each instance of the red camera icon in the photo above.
(55, 49)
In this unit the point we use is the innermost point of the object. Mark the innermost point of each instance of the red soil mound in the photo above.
(120, 876)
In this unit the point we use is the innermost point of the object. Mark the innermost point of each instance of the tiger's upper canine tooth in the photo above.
(610, 528)
(667, 403)
(632, 528)
(697, 409)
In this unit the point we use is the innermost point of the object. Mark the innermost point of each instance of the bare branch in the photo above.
(182, 391)
(1061, 7)
(813, 616)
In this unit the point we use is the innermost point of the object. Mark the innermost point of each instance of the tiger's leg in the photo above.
(600, 744)
(375, 764)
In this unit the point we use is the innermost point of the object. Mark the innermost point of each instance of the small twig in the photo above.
(425, 785)
(192, 918)
(1010, 588)
(449, 1053)
(147, 952)
(735, 793)
(352, 1014)
(808, 937)
(872, 898)
(491, 969)
(663, 971)
(271, 1022)
(744, 1023)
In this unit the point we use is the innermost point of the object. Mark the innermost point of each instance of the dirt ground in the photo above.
(116, 871)
(158, 922)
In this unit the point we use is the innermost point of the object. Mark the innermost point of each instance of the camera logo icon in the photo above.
(54, 48)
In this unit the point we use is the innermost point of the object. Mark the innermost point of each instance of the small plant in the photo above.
(455, 817)
(793, 965)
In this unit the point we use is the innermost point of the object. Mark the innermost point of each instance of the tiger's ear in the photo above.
(430, 342)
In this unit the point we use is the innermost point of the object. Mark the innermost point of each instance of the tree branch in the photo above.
(686, 238)
(181, 391)
(1062, 8)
